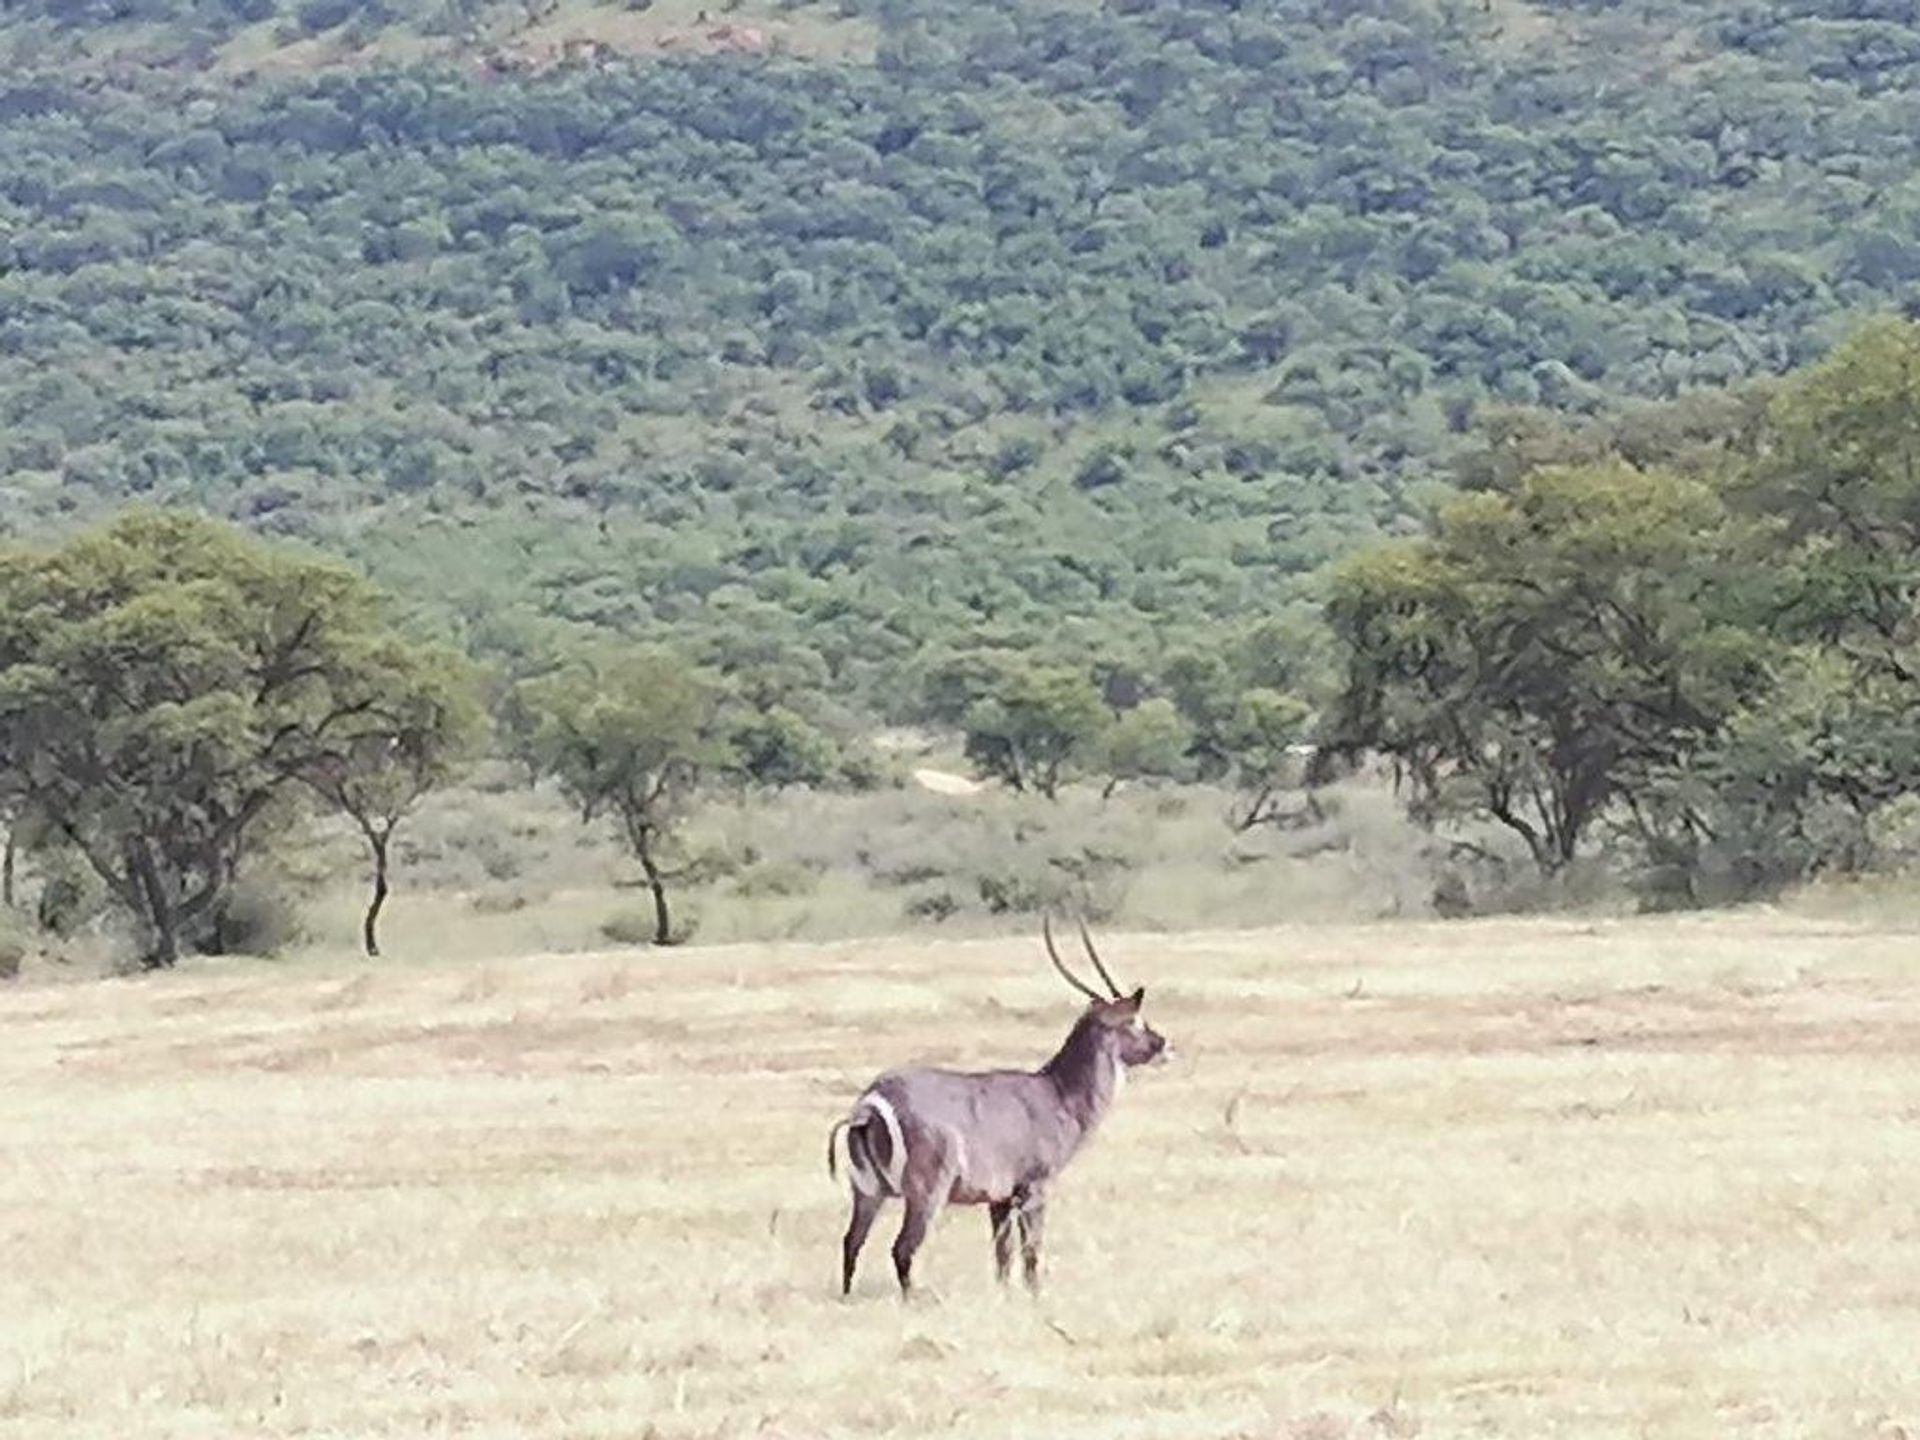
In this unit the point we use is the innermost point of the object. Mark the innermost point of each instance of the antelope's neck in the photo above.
(1086, 1073)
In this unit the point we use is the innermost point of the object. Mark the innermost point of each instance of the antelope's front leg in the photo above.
(1000, 1215)
(1033, 1229)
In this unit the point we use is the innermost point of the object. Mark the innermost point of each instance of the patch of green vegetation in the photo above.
(1088, 330)
(1697, 635)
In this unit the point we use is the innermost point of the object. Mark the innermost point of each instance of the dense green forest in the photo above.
(1192, 399)
(853, 333)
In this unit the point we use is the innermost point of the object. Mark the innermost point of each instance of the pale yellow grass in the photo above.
(1515, 1179)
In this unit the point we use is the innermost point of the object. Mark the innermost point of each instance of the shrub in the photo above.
(937, 906)
(775, 878)
(258, 918)
(912, 872)
(629, 925)
(500, 900)
(633, 925)
(70, 894)
(497, 859)
(15, 945)
(1011, 894)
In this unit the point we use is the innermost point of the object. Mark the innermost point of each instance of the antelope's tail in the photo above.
(833, 1147)
(876, 1147)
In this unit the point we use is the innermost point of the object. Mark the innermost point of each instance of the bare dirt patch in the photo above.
(578, 34)
(943, 782)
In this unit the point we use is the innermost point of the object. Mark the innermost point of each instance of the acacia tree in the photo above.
(517, 729)
(1204, 686)
(1838, 487)
(776, 746)
(631, 736)
(424, 720)
(1832, 495)
(1262, 739)
(1546, 650)
(166, 685)
(1033, 724)
(1149, 742)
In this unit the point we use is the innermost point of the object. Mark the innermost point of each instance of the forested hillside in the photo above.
(867, 330)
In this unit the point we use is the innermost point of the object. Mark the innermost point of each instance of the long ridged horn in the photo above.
(1094, 956)
(1053, 954)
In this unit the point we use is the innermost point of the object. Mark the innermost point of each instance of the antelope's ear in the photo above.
(1122, 1012)
(1138, 998)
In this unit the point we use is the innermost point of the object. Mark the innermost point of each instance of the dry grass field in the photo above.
(1626, 1178)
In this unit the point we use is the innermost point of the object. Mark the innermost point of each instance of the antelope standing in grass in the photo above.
(997, 1138)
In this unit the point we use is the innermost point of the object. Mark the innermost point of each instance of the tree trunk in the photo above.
(1016, 769)
(1541, 847)
(1256, 812)
(370, 931)
(6, 873)
(1566, 844)
(164, 952)
(656, 882)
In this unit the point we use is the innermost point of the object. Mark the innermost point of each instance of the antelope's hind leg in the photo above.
(1033, 1231)
(865, 1209)
(921, 1212)
(930, 1179)
(1000, 1215)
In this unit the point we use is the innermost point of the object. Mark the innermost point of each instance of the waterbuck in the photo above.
(997, 1138)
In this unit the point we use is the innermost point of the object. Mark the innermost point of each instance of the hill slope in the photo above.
(861, 328)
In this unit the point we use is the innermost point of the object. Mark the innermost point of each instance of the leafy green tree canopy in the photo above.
(431, 721)
(1545, 648)
(1149, 742)
(777, 747)
(1034, 725)
(168, 686)
(1263, 740)
(631, 736)
(1839, 483)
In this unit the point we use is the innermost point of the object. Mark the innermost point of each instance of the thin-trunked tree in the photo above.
(1033, 725)
(424, 721)
(631, 736)
(1263, 739)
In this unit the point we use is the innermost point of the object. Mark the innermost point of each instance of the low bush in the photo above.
(630, 925)
(16, 944)
(635, 925)
(258, 918)
(501, 899)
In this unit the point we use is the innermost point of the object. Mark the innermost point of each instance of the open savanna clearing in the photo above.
(1648, 1178)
